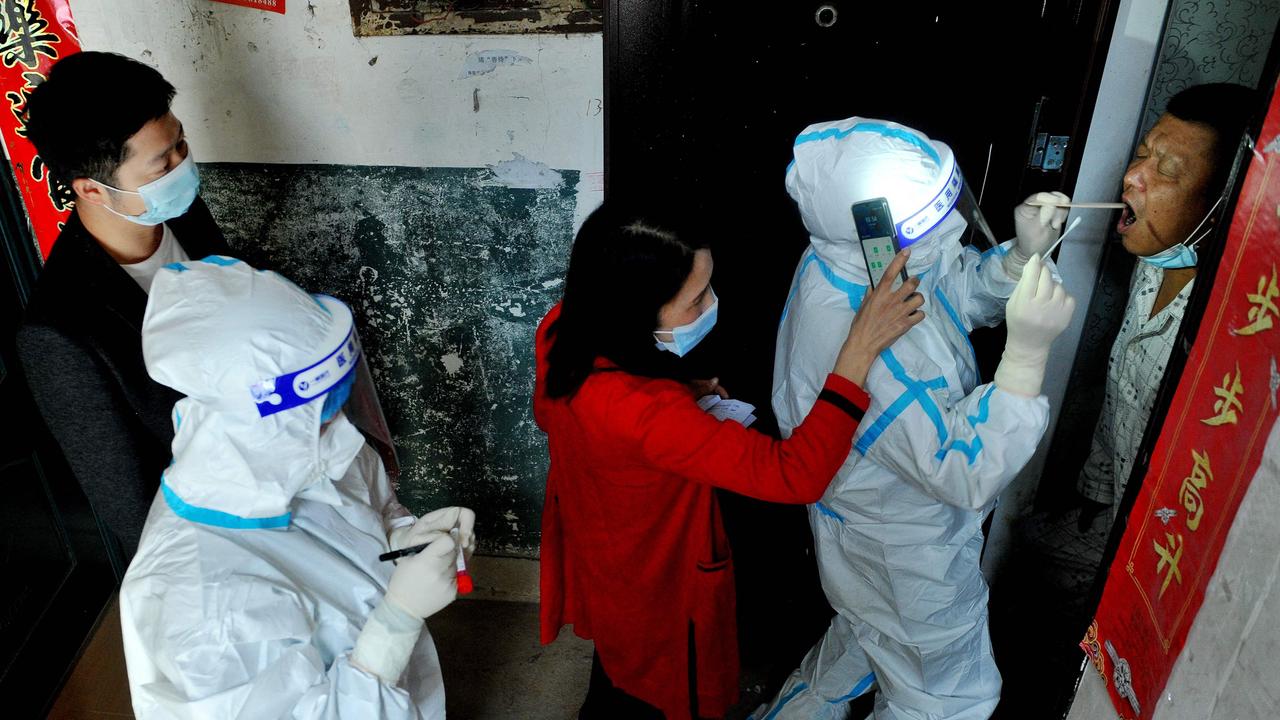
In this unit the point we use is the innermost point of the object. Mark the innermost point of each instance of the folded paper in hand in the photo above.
(722, 409)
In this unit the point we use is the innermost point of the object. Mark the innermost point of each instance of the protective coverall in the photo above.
(898, 533)
(258, 565)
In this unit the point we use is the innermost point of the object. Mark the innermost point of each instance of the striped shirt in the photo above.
(1134, 373)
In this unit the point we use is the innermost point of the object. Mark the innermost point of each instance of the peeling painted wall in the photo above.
(419, 17)
(300, 88)
(433, 183)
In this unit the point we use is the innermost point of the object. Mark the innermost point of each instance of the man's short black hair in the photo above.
(92, 102)
(1225, 108)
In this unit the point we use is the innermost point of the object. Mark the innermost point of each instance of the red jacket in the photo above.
(633, 549)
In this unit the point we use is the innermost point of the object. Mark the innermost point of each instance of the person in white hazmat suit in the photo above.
(898, 532)
(257, 591)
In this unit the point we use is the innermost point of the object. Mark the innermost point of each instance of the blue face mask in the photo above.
(337, 397)
(685, 337)
(1182, 255)
(1173, 258)
(165, 198)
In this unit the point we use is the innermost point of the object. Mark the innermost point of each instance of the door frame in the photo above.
(45, 658)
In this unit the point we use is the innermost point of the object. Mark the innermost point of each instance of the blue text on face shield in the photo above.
(337, 397)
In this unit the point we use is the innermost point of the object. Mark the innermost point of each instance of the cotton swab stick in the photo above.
(1087, 205)
(1070, 227)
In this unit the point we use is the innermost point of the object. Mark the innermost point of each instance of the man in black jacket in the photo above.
(103, 126)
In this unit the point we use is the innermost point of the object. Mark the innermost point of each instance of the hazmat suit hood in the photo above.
(837, 164)
(254, 355)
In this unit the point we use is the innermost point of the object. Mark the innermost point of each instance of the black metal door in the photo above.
(703, 101)
(53, 559)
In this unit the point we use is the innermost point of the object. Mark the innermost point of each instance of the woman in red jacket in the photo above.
(634, 554)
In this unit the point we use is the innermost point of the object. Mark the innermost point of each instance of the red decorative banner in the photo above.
(276, 6)
(1207, 453)
(33, 35)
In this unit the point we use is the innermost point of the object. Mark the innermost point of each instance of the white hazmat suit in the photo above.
(258, 566)
(898, 532)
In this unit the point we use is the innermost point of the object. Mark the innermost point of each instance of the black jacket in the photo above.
(81, 346)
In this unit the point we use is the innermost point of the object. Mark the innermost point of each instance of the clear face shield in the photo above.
(341, 381)
(954, 195)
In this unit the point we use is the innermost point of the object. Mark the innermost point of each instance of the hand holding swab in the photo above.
(1058, 242)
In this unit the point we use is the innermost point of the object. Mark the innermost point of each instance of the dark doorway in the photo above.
(703, 101)
(57, 576)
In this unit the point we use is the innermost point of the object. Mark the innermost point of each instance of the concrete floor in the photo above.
(494, 666)
(1040, 609)
(98, 687)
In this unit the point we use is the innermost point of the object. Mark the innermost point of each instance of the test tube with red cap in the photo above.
(465, 584)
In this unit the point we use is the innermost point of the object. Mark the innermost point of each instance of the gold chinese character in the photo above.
(1263, 308)
(24, 35)
(1201, 475)
(1227, 402)
(1170, 556)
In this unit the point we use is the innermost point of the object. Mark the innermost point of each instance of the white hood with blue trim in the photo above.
(847, 161)
(221, 332)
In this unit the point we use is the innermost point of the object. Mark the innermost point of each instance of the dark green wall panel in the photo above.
(448, 273)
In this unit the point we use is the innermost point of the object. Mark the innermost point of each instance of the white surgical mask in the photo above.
(685, 337)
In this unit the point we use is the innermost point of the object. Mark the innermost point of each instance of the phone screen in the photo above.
(878, 252)
(875, 232)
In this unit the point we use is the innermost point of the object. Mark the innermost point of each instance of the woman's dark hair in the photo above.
(1225, 108)
(625, 265)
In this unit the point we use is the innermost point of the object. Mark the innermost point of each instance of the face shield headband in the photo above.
(953, 195)
(284, 392)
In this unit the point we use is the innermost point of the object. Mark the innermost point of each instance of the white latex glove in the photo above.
(423, 584)
(400, 537)
(396, 537)
(386, 642)
(1037, 228)
(1036, 313)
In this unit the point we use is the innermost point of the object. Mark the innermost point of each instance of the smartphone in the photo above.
(879, 240)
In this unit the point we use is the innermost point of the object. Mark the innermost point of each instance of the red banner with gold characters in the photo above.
(270, 5)
(34, 34)
(1207, 453)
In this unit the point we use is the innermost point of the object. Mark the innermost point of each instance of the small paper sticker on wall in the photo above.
(276, 6)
